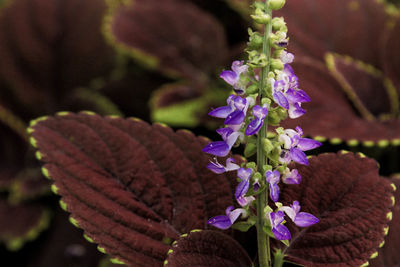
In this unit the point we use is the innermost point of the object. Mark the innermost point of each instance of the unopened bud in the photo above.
(267, 145)
(250, 150)
(261, 17)
(278, 24)
(276, 4)
(276, 64)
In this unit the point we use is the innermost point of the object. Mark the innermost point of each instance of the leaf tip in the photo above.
(54, 189)
(116, 261)
(165, 262)
(170, 251)
(88, 112)
(33, 142)
(196, 230)
(365, 264)
(374, 255)
(396, 142)
(394, 187)
(63, 205)
(90, 240)
(135, 119)
(393, 200)
(361, 155)
(383, 143)
(344, 152)
(73, 221)
(319, 138)
(386, 230)
(389, 215)
(32, 123)
(368, 143)
(335, 141)
(45, 172)
(63, 113)
(38, 155)
(101, 249)
(352, 142)
(382, 244)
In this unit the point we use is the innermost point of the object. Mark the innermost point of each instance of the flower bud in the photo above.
(267, 145)
(252, 89)
(276, 64)
(278, 24)
(250, 150)
(261, 17)
(276, 4)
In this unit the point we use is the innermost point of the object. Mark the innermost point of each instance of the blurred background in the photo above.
(159, 61)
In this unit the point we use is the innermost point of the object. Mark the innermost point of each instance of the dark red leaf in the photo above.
(389, 254)
(48, 47)
(391, 56)
(21, 223)
(353, 204)
(132, 187)
(175, 36)
(207, 248)
(347, 27)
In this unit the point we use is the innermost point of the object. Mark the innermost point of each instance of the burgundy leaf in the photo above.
(175, 36)
(21, 223)
(331, 114)
(347, 27)
(27, 185)
(207, 248)
(391, 56)
(364, 85)
(353, 204)
(388, 255)
(132, 187)
(48, 47)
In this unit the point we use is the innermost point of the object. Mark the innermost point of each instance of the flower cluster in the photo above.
(269, 88)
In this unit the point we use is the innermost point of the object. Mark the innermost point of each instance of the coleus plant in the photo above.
(143, 194)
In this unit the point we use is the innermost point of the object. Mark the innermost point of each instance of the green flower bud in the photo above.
(266, 101)
(255, 40)
(276, 4)
(274, 118)
(276, 64)
(278, 24)
(252, 89)
(250, 150)
(267, 145)
(261, 17)
(257, 176)
(251, 165)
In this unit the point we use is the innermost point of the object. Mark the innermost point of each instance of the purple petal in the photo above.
(224, 132)
(281, 232)
(286, 57)
(298, 156)
(260, 112)
(235, 118)
(276, 217)
(219, 149)
(221, 112)
(272, 177)
(229, 76)
(295, 96)
(296, 111)
(240, 103)
(280, 98)
(304, 219)
(230, 165)
(308, 144)
(221, 222)
(254, 126)
(230, 141)
(238, 67)
(292, 177)
(288, 70)
(243, 173)
(216, 168)
(274, 192)
(242, 188)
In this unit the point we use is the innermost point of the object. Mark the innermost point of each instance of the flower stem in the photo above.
(264, 254)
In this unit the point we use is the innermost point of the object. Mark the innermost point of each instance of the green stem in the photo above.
(264, 253)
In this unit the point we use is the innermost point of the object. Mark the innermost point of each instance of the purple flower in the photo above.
(291, 176)
(226, 221)
(232, 77)
(280, 231)
(301, 219)
(243, 187)
(235, 112)
(255, 125)
(222, 148)
(294, 145)
(273, 177)
(219, 168)
(286, 92)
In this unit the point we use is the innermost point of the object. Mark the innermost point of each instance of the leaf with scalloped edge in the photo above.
(388, 255)
(330, 114)
(207, 248)
(174, 36)
(347, 27)
(48, 47)
(353, 204)
(132, 187)
(21, 223)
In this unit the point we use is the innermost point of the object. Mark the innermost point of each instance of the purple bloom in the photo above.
(219, 168)
(273, 177)
(235, 112)
(280, 231)
(222, 148)
(226, 221)
(255, 125)
(286, 92)
(301, 219)
(291, 177)
(294, 145)
(243, 187)
(232, 77)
